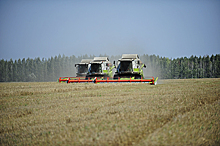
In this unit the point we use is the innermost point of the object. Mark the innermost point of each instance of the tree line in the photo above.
(45, 70)
(183, 68)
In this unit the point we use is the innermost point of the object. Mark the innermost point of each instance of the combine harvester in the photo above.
(100, 67)
(129, 66)
(129, 69)
(88, 69)
(82, 67)
(81, 70)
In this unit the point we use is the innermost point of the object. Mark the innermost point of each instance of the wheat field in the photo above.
(176, 112)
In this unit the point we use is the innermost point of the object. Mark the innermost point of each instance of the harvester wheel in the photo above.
(116, 76)
(138, 77)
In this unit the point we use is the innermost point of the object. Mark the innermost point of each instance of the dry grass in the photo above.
(183, 112)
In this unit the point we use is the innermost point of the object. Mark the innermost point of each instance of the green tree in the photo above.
(10, 71)
(176, 69)
(200, 67)
(217, 66)
(15, 71)
(45, 70)
(23, 73)
(19, 71)
(2, 71)
(207, 67)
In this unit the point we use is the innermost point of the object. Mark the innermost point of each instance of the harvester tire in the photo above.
(116, 76)
(138, 77)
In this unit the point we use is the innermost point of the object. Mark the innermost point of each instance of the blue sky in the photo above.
(170, 28)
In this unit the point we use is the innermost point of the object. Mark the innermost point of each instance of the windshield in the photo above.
(125, 66)
(82, 68)
(96, 68)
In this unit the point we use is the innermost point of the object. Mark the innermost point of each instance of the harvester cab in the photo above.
(129, 66)
(100, 67)
(82, 67)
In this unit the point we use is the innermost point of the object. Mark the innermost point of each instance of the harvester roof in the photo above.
(100, 59)
(130, 56)
(86, 61)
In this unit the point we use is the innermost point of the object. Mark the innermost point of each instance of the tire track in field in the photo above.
(165, 119)
(27, 111)
(114, 103)
(175, 118)
(98, 108)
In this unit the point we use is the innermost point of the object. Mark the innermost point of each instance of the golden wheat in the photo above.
(183, 112)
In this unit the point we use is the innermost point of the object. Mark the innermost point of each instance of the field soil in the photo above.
(176, 112)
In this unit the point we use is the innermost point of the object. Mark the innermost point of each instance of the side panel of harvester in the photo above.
(129, 66)
(100, 67)
(82, 67)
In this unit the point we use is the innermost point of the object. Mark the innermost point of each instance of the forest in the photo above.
(50, 69)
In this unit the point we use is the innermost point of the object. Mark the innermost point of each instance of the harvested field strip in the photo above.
(184, 112)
